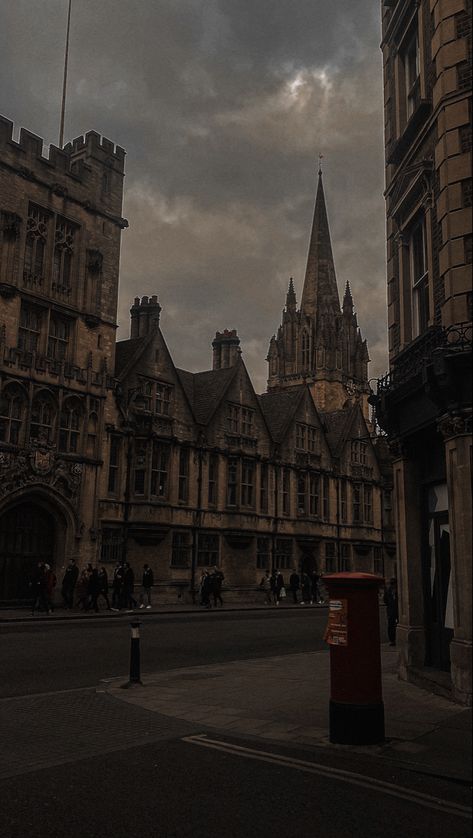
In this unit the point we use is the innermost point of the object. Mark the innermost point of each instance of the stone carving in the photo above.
(451, 425)
(39, 467)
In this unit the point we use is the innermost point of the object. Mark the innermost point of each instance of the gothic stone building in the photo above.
(424, 403)
(108, 451)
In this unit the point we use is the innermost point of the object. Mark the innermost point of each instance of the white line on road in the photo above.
(350, 777)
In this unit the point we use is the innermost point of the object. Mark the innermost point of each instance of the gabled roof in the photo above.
(125, 351)
(205, 390)
(279, 408)
(337, 425)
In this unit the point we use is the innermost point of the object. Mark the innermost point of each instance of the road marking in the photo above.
(350, 777)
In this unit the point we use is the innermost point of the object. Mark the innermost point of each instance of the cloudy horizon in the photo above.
(223, 107)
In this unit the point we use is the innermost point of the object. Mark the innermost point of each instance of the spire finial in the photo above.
(321, 157)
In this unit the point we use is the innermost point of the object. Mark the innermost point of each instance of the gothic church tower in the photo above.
(320, 344)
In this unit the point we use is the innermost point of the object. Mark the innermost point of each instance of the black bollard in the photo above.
(135, 675)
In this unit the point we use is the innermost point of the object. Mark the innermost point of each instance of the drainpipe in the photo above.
(338, 521)
(197, 517)
(126, 513)
(275, 517)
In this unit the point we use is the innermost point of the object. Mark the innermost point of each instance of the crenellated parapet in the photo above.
(89, 169)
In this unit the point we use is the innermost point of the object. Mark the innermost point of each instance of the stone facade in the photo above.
(130, 458)
(424, 403)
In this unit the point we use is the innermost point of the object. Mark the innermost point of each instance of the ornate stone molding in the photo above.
(451, 425)
(39, 466)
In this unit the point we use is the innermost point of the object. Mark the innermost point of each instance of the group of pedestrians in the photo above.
(308, 584)
(123, 587)
(84, 589)
(211, 586)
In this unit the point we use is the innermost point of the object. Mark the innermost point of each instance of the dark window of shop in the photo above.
(345, 557)
(12, 405)
(213, 479)
(283, 553)
(141, 450)
(181, 549)
(356, 495)
(263, 553)
(325, 497)
(29, 331)
(207, 550)
(314, 495)
(286, 491)
(232, 481)
(301, 493)
(114, 464)
(159, 469)
(183, 474)
(43, 416)
(112, 545)
(70, 421)
(58, 337)
(368, 504)
(263, 490)
(248, 484)
(343, 501)
(330, 558)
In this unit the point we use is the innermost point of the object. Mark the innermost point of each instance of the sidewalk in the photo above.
(16, 615)
(285, 699)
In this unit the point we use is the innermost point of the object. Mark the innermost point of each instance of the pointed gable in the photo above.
(279, 408)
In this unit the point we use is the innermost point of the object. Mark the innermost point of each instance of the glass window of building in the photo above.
(263, 553)
(159, 469)
(181, 548)
(207, 550)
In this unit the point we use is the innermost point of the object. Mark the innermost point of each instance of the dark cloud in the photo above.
(222, 106)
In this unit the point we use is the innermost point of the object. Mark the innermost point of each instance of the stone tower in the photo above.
(320, 343)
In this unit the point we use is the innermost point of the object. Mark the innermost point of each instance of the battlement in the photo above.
(28, 151)
(227, 334)
(145, 301)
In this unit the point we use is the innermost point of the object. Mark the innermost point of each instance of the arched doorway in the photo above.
(27, 536)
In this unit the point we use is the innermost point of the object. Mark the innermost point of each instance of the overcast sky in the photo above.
(223, 107)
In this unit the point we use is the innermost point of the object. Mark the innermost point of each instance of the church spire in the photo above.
(320, 285)
(348, 300)
(291, 296)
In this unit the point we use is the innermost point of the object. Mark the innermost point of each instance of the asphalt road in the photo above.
(39, 657)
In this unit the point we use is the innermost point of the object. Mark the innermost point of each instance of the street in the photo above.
(78, 760)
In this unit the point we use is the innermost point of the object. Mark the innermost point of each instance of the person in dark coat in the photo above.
(205, 589)
(217, 582)
(69, 583)
(306, 589)
(294, 585)
(279, 586)
(129, 587)
(102, 585)
(93, 589)
(315, 593)
(39, 585)
(392, 610)
(117, 586)
(147, 583)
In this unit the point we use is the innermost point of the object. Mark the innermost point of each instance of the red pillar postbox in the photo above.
(356, 699)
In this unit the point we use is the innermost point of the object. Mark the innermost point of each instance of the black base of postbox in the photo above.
(356, 724)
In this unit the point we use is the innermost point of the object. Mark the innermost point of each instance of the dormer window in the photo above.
(240, 420)
(306, 438)
(359, 452)
(157, 397)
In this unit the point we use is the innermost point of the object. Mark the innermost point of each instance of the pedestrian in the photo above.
(306, 585)
(278, 586)
(392, 610)
(51, 581)
(117, 586)
(265, 586)
(315, 592)
(100, 588)
(205, 589)
(69, 583)
(129, 587)
(83, 590)
(146, 585)
(39, 587)
(93, 590)
(217, 582)
(294, 585)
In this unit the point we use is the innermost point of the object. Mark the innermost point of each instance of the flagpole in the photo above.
(64, 84)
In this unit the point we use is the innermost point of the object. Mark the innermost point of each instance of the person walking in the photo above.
(39, 586)
(101, 585)
(117, 586)
(146, 585)
(82, 590)
(315, 593)
(205, 589)
(294, 585)
(217, 582)
(51, 581)
(265, 586)
(392, 610)
(306, 589)
(93, 590)
(279, 587)
(129, 587)
(69, 583)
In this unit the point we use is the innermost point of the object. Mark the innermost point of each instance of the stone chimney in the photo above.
(144, 316)
(226, 349)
